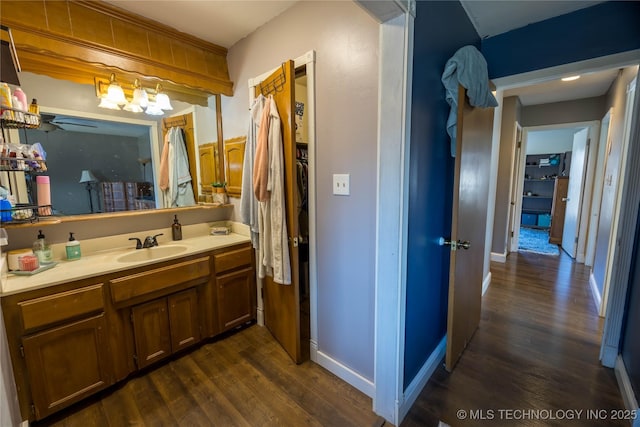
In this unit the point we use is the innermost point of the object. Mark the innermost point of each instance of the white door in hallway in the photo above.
(574, 193)
(468, 225)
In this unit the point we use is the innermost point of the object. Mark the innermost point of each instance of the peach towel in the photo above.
(163, 173)
(261, 164)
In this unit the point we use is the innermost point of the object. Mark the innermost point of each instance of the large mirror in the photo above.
(104, 160)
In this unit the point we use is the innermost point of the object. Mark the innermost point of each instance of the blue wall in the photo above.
(441, 28)
(600, 30)
(631, 333)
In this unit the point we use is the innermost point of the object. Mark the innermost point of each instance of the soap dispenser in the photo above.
(176, 229)
(42, 249)
(73, 248)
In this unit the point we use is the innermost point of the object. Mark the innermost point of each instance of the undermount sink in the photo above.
(149, 254)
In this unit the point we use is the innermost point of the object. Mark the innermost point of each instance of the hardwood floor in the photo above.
(537, 348)
(245, 379)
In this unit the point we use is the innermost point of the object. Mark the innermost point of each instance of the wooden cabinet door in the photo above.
(208, 162)
(236, 298)
(233, 163)
(66, 364)
(151, 332)
(183, 319)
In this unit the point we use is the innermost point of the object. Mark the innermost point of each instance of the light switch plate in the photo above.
(341, 184)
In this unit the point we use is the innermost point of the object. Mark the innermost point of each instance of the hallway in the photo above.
(536, 349)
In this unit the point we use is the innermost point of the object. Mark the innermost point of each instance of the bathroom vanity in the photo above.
(85, 325)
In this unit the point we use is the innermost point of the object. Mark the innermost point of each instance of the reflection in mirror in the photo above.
(98, 165)
(66, 106)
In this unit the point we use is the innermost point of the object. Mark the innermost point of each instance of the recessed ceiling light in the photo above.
(570, 78)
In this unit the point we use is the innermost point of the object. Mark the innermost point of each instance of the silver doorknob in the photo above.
(464, 244)
(454, 245)
(565, 199)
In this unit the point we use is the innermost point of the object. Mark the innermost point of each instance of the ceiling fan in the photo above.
(51, 122)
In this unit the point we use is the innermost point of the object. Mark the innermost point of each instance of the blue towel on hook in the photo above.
(468, 68)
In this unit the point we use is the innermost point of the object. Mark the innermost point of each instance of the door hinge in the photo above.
(295, 242)
(22, 351)
(512, 234)
(576, 240)
(519, 144)
(262, 293)
(33, 409)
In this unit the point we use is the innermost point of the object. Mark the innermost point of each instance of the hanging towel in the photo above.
(180, 191)
(273, 252)
(261, 165)
(468, 68)
(163, 173)
(248, 202)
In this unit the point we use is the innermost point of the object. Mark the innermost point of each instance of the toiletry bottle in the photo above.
(34, 108)
(42, 249)
(73, 248)
(176, 229)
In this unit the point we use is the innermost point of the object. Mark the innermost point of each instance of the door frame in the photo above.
(628, 214)
(308, 60)
(594, 130)
(515, 191)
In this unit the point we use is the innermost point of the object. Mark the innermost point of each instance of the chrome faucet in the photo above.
(149, 241)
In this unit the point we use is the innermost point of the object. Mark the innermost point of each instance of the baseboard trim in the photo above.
(499, 257)
(595, 292)
(260, 317)
(413, 390)
(624, 383)
(343, 372)
(485, 283)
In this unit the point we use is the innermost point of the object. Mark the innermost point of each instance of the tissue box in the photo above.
(219, 230)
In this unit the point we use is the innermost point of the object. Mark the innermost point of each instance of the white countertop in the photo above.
(106, 261)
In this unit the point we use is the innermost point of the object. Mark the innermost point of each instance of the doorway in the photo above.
(305, 138)
(627, 67)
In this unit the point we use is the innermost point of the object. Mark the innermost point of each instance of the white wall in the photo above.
(550, 141)
(345, 39)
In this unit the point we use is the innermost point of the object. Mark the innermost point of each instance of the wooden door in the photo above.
(66, 364)
(469, 221)
(151, 332)
(185, 121)
(574, 192)
(183, 319)
(282, 302)
(558, 209)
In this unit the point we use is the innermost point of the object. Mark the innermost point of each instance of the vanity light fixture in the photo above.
(162, 99)
(136, 100)
(570, 78)
(115, 94)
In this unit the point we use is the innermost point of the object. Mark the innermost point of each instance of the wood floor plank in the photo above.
(181, 405)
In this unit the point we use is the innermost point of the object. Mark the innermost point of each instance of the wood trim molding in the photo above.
(79, 40)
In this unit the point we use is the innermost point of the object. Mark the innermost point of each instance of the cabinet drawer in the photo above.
(128, 287)
(65, 305)
(233, 258)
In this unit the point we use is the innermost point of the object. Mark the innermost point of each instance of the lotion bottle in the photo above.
(42, 249)
(176, 229)
(73, 248)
